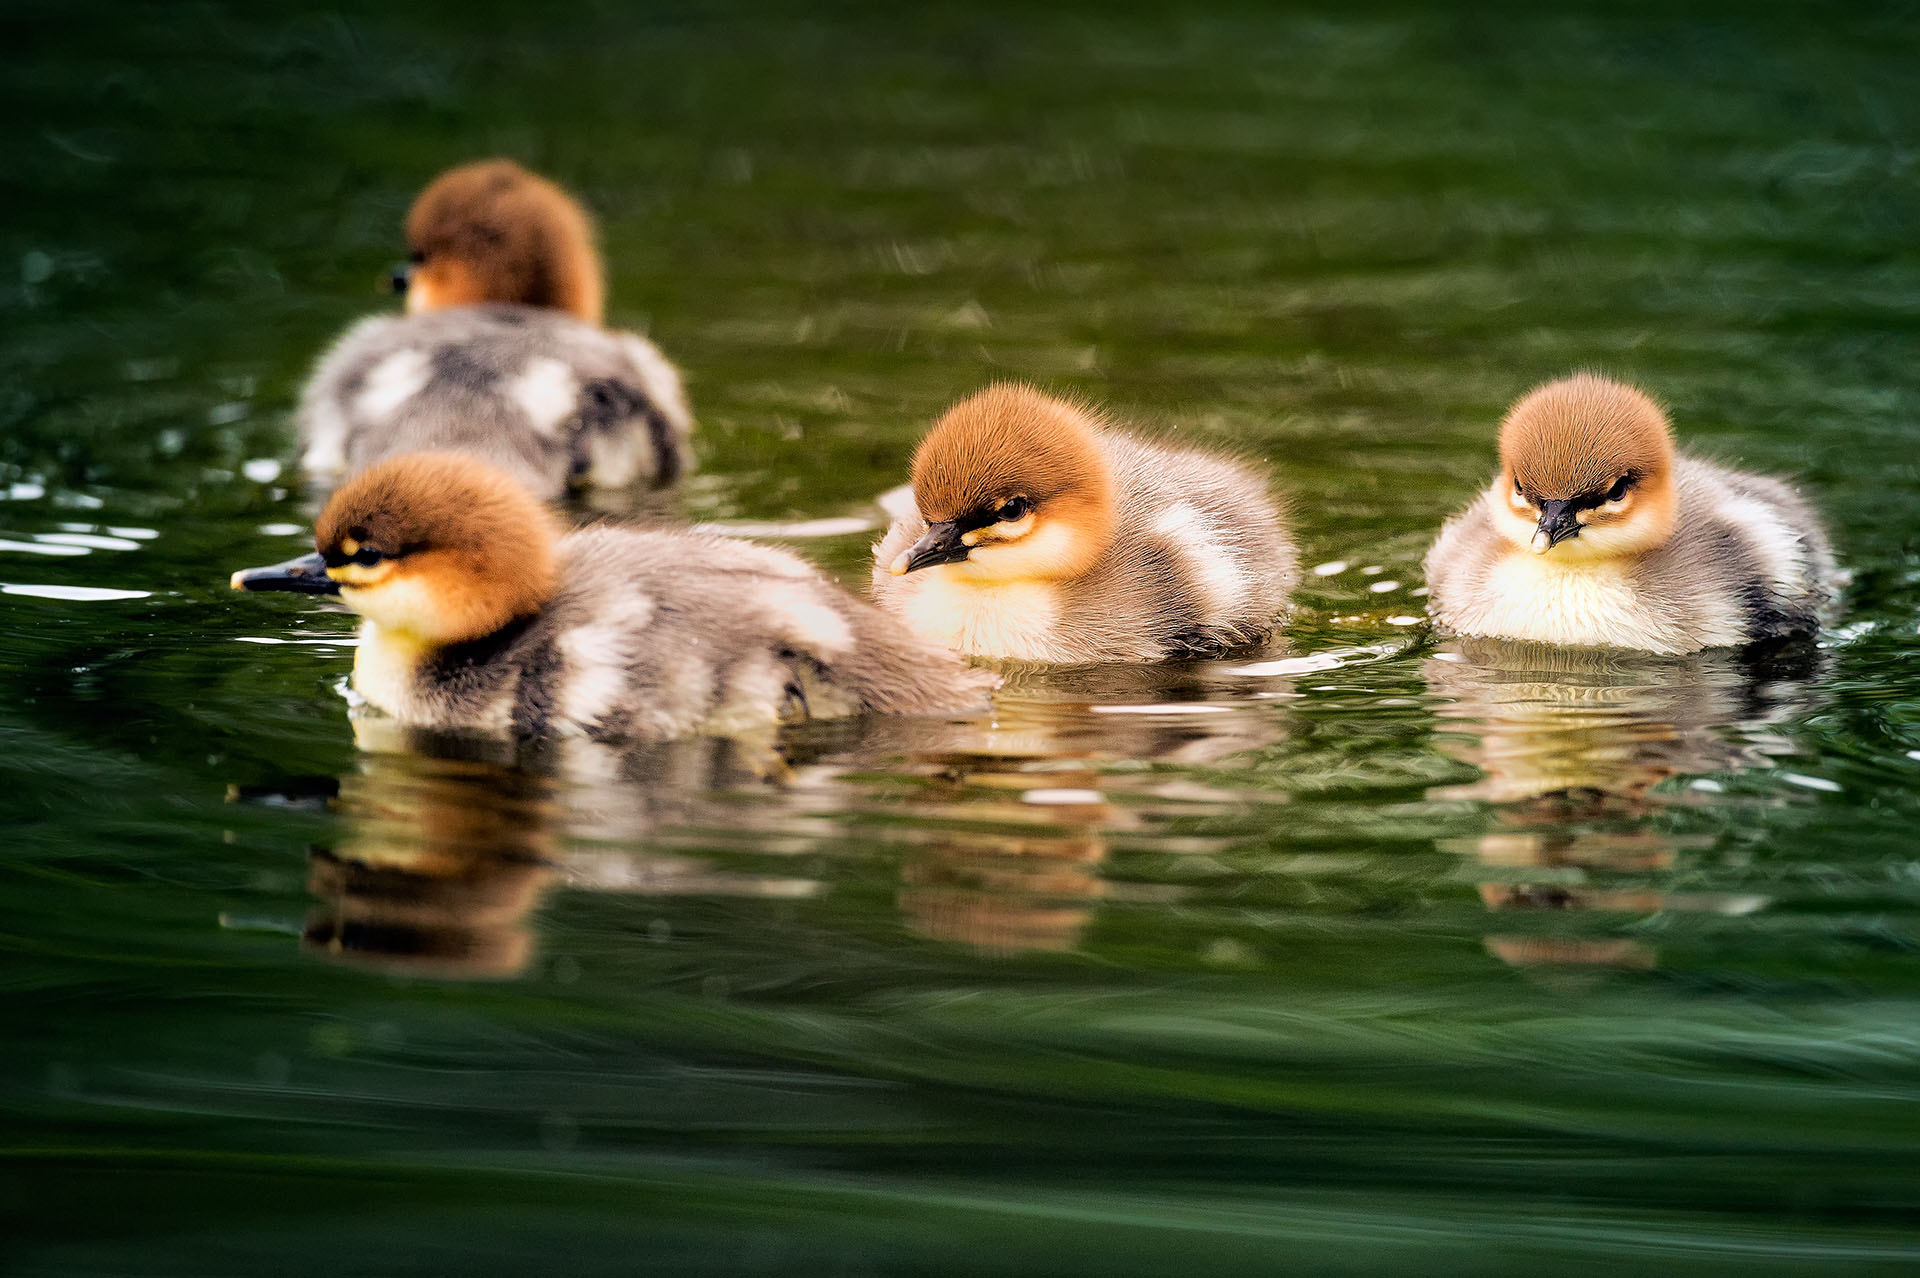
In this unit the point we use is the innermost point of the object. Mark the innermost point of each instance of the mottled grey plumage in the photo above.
(1201, 561)
(557, 402)
(656, 633)
(1747, 561)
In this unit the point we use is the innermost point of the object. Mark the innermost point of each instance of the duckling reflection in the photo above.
(1002, 893)
(1572, 745)
(1014, 817)
(451, 842)
(1589, 724)
(446, 851)
(440, 867)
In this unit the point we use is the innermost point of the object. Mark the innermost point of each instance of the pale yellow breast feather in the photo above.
(386, 667)
(386, 671)
(1010, 619)
(1529, 596)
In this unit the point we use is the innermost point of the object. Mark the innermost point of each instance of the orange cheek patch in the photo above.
(450, 599)
(1092, 522)
(444, 282)
(1659, 508)
(468, 607)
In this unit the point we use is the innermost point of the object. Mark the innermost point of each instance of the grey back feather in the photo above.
(557, 402)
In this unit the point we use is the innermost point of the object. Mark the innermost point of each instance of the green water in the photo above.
(1378, 956)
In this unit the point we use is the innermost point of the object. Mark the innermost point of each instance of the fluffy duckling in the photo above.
(478, 616)
(1043, 534)
(1597, 533)
(501, 353)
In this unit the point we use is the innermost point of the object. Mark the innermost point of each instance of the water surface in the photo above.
(1363, 952)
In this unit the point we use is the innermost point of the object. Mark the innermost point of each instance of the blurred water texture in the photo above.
(1362, 953)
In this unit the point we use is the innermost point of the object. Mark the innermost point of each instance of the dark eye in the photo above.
(1619, 488)
(1011, 509)
(366, 557)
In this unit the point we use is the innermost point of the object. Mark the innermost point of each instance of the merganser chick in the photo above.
(478, 616)
(501, 353)
(1044, 534)
(1597, 533)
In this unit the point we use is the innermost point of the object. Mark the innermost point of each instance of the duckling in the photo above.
(501, 353)
(478, 617)
(1041, 533)
(1598, 533)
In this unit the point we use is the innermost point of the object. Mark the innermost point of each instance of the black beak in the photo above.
(1557, 523)
(939, 544)
(399, 277)
(306, 575)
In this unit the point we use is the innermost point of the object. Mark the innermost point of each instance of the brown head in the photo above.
(493, 232)
(438, 547)
(1586, 470)
(1014, 486)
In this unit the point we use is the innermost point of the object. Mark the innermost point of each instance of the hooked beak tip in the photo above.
(1541, 542)
(305, 575)
(940, 544)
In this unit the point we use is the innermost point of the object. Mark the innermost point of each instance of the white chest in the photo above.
(1529, 596)
(1009, 620)
(386, 670)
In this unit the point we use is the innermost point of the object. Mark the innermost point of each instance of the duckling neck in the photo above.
(387, 665)
(987, 618)
(415, 678)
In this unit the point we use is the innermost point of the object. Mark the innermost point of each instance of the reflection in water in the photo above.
(440, 864)
(448, 847)
(1014, 814)
(1572, 743)
(1002, 823)
(1003, 892)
